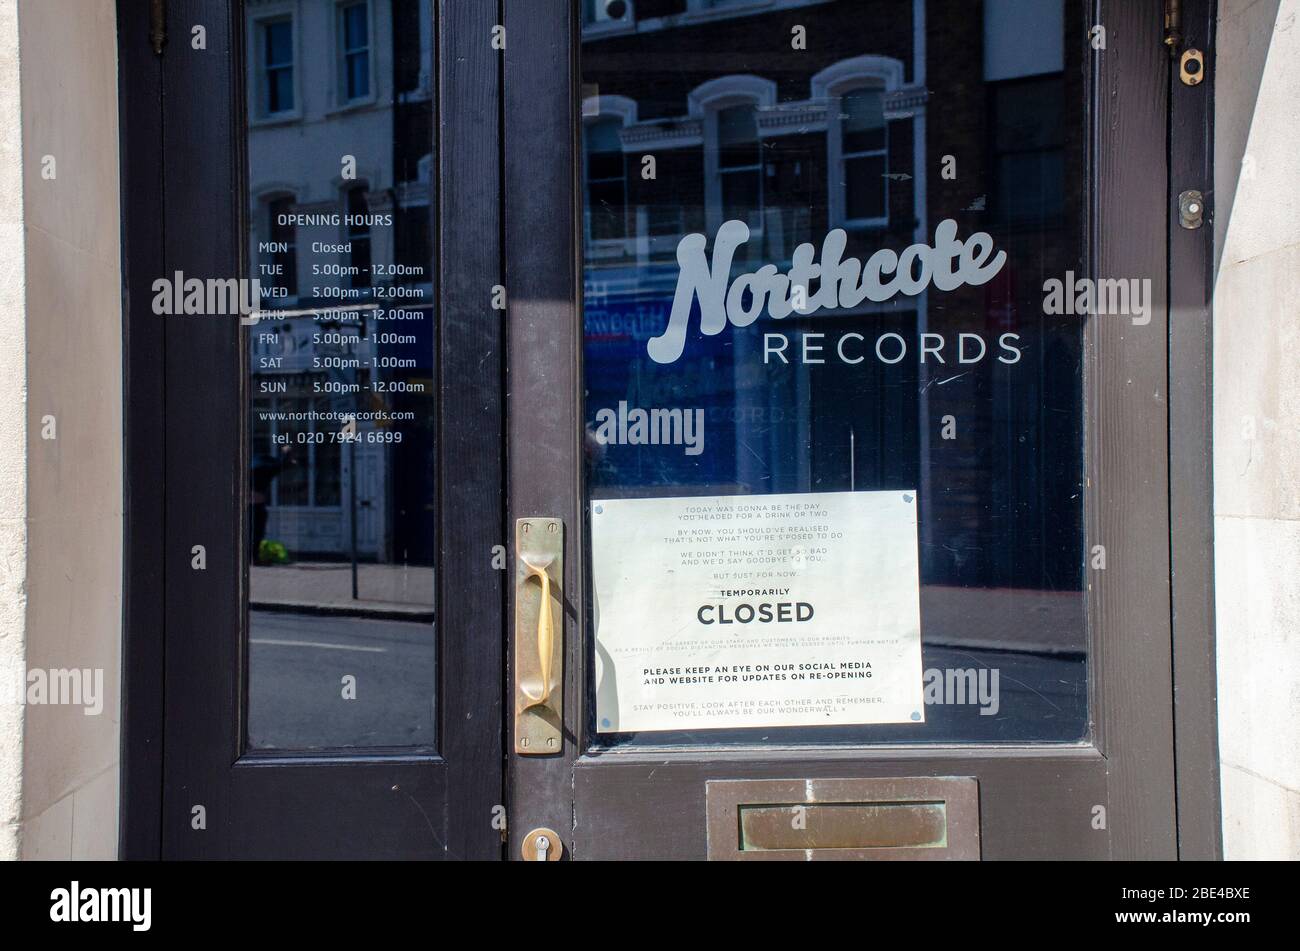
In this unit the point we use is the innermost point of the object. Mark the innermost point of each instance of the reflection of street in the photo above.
(400, 592)
(296, 696)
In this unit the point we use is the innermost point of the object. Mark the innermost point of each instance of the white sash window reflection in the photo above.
(733, 155)
(606, 184)
(856, 91)
(354, 51)
(740, 166)
(864, 157)
(277, 67)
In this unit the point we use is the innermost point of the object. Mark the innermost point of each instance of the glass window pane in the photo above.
(279, 43)
(355, 26)
(605, 165)
(864, 120)
(606, 206)
(279, 89)
(736, 126)
(602, 136)
(1029, 153)
(342, 497)
(765, 456)
(865, 187)
(358, 75)
(740, 197)
(1027, 113)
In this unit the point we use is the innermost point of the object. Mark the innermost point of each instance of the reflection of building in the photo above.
(883, 133)
(340, 133)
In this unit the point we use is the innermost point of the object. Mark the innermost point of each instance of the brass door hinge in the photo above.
(1173, 26)
(1191, 64)
(157, 24)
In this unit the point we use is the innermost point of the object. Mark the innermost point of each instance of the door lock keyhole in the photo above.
(541, 845)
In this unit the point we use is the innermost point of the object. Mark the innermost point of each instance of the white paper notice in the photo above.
(756, 611)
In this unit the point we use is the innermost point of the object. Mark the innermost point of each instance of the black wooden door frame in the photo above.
(1191, 460)
(156, 205)
(1153, 508)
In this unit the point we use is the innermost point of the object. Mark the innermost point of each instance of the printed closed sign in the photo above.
(756, 611)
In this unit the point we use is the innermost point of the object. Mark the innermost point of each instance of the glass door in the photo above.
(333, 421)
(867, 318)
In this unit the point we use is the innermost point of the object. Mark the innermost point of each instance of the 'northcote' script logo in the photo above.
(843, 282)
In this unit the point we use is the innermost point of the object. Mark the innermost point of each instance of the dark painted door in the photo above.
(330, 427)
(842, 359)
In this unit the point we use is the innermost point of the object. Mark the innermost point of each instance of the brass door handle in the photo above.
(545, 633)
(539, 640)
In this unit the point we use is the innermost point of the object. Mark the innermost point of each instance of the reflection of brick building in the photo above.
(850, 132)
(710, 104)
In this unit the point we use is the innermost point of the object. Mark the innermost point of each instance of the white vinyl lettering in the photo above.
(844, 282)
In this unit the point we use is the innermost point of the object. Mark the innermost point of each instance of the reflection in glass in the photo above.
(356, 50)
(341, 647)
(739, 166)
(864, 153)
(890, 121)
(277, 46)
(605, 182)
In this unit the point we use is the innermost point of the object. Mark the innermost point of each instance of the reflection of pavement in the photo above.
(296, 668)
(297, 663)
(398, 592)
(1008, 619)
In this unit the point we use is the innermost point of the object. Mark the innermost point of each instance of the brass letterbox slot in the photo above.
(844, 825)
(860, 819)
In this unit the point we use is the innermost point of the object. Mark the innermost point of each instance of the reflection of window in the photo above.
(863, 156)
(734, 177)
(354, 50)
(1028, 143)
(311, 475)
(358, 235)
(857, 137)
(606, 188)
(277, 62)
(282, 246)
(740, 165)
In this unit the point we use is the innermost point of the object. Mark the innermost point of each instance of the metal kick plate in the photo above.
(925, 817)
(539, 637)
